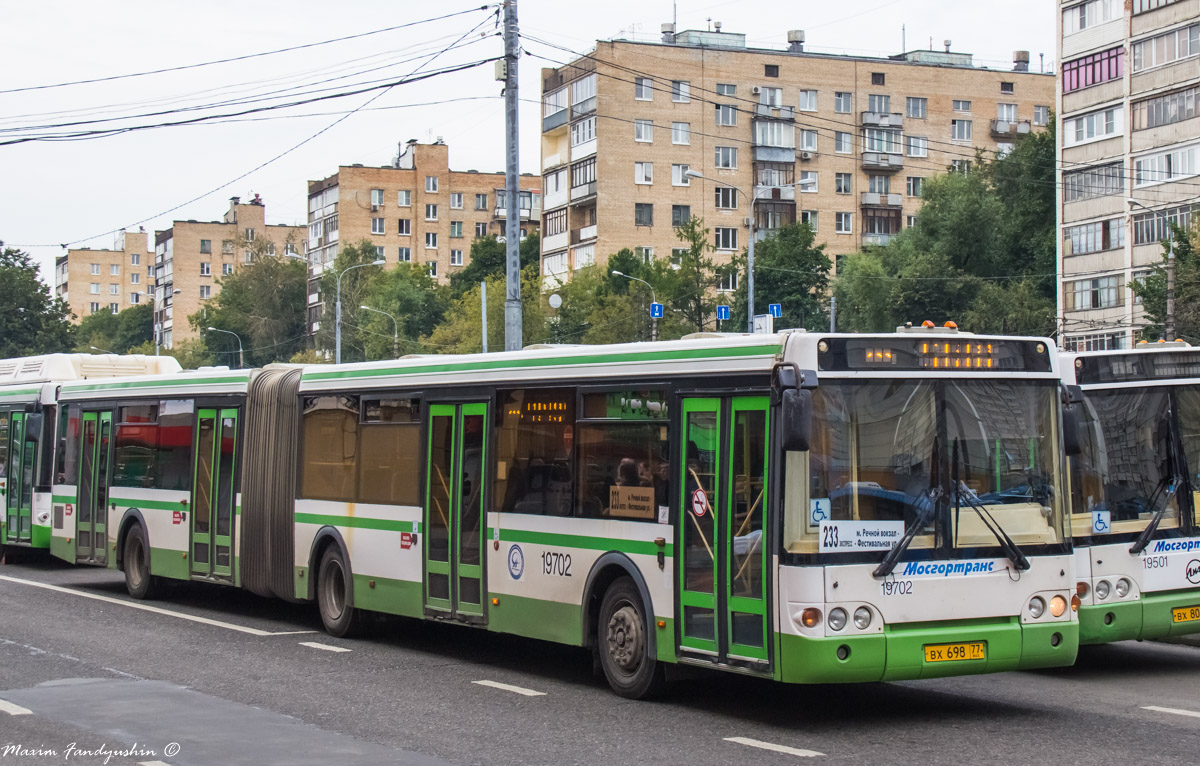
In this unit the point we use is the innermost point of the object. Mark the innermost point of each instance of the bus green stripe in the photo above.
(159, 505)
(182, 381)
(355, 522)
(640, 547)
(645, 356)
(5, 393)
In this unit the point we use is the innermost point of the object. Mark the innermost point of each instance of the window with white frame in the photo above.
(726, 115)
(770, 97)
(644, 254)
(404, 254)
(961, 105)
(456, 257)
(135, 278)
(379, 251)
(205, 269)
(726, 89)
(404, 198)
(916, 146)
(377, 198)
(842, 183)
(915, 184)
(681, 133)
(431, 184)
(1098, 293)
(808, 182)
(1006, 112)
(726, 157)
(96, 269)
(456, 201)
(1159, 50)
(808, 101)
(114, 270)
(249, 256)
(114, 289)
(456, 229)
(94, 288)
(843, 102)
(679, 176)
(879, 102)
(1092, 182)
(643, 173)
(1087, 15)
(135, 259)
(728, 282)
(377, 226)
(809, 217)
(1094, 237)
(431, 267)
(910, 221)
(431, 212)
(205, 292)
(114, 307)
(404, 227)
(726, 197)
(226, 269)
(960, 130)
(843, 143)
(774, 133)
(583, 95)
(135, 298)
(431, 240)
(481, 202)
(643, 214)
(726, 237)
(583, 131)
(1095, 126)
(960, 166)
(248, 235)
(643, 131)
(882, 140)
(93, 307)
(1041, 115)
(1165, 166)
(879, 184)
(917, 108)
(681, 91)
(643, 89)
(480, 229)
(843, 223)
(808, 140)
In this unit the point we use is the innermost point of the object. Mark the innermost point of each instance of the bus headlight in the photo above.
(862, 618)
(837, 618)
(1058, 605)
(1037, 607)
(1102, 589)
(1122, 588)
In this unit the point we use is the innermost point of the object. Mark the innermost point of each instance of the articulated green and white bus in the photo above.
(28, 391)
(808, 508)
(1133, 491)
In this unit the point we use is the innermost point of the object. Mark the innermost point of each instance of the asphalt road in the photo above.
(210, 676)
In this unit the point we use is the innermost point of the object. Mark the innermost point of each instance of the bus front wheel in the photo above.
(623, 642)
(333, 595)
(138, 580)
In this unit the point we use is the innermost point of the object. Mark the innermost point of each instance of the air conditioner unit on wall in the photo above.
(745, 221)
(756, 90)
(374, 208)
(806, 155)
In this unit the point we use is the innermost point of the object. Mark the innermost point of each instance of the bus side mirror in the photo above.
(796, 418)
(1072, 402)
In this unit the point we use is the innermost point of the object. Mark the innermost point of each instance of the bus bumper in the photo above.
(1148, 617)
(898, 654)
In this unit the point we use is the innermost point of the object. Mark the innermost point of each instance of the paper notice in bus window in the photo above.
(631, 502)
(847, 536)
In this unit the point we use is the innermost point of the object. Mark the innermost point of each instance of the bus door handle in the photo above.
(661, 542)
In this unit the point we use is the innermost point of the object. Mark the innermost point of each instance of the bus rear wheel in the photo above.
(136, 560)
(623, 643)
(341, 619)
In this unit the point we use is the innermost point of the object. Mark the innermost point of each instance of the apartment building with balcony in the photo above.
(415, 210)
(91, 279)
(842, 142)
(1128, 155)
(191, 257)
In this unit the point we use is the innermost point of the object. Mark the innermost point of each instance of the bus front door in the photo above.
(723, 562)
(91, 524)
(214, 494)
(22, 449)
(454, 513)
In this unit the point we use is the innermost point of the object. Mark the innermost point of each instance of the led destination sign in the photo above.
(929, 354)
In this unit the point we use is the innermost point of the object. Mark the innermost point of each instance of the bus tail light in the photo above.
(1075, 602)
(1058, 605)
(810, 617)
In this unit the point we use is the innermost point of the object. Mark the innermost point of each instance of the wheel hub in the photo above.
(625, 640)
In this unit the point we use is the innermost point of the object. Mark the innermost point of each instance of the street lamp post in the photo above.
(156, 325)
(749, 245)
(1169, 321)
(653, 299)
(241, 355)
(395, 330)
(337, 342)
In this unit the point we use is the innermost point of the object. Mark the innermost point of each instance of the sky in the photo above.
(80, 192)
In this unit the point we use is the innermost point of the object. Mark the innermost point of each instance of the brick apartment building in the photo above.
(92, 279)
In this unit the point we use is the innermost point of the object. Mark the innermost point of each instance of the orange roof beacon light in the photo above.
(951, 325)
(928, 323)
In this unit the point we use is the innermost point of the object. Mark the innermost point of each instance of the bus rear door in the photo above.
(91, 524)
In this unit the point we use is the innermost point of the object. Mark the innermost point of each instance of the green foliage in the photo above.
(116, 332)
(409, 294)
(309, 356)
(789, 269)
(357, 286)
(1153, 291)
(191, 354)
(487, 259)
(462, 332)
(31, 322)
(691, 283)
(982, 252)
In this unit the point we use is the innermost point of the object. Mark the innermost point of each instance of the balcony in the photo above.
(879, 199)
(555, 120)
(587, 106)
(882, 161)
(775, 112)
(777, 193)
(583, 234)
(526, 213)
(583, 192)
(876, 240)
(1010, 128)
(552, 242)
(553, 199)
(882, 120)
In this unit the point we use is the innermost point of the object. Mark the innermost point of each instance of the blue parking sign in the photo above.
(656, 310)
(722, 312)
(776, 309)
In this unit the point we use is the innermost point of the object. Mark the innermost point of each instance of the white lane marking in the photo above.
(773, 747)
(326, 647)
(510, 688)
(148, 608)
(153, 763)
(1172, 710)
(12, 709)
(38, 651)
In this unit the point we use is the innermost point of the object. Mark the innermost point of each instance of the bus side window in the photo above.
(534, 452)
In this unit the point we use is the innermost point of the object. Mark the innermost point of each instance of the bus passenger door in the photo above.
(91, 524)
(22, 450)
(723, 562)
(454, 514)
(213, 493)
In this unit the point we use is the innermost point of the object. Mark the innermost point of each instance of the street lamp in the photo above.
(395, 330)
(750, 245)
(241, 356)
(337, 343)
(653, 299)
(97, 348)
(1169, 322)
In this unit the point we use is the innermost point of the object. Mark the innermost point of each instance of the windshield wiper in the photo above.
(1143, 539)
(923, 517)
(1006, 543)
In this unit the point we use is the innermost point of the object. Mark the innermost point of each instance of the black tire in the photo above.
(623, 642)
(136, 563)
(340, 617)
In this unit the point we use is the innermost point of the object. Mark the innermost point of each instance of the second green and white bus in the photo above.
(808, 508)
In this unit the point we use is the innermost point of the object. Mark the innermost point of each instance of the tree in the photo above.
(191, 354)
(356, 287)
(116, 332)
(409, 294)
(462, 332)
(789, 270)
(1153, 290)
(691, 283)
(31, 322)
(489, 258)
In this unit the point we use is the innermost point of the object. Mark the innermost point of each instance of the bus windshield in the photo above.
(903, 452)
(1130, 457)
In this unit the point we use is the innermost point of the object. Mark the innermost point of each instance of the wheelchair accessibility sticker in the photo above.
(818, 511)
(1101, 522)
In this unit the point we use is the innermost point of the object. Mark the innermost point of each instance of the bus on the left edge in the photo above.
(28, 392)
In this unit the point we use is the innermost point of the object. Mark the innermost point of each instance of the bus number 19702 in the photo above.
(895, 588)
(556, 563)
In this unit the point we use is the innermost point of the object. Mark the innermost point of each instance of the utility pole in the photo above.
(512, 216)
(832, 313)
(483, 311)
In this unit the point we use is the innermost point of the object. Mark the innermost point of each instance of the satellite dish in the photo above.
(555, 300)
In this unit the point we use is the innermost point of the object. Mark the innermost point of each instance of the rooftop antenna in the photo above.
(1041, 62)
(709, 20)
(903, 45)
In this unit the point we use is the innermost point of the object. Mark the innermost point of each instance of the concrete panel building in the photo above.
(93, 279)
(1128, 155)
(842, 142)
